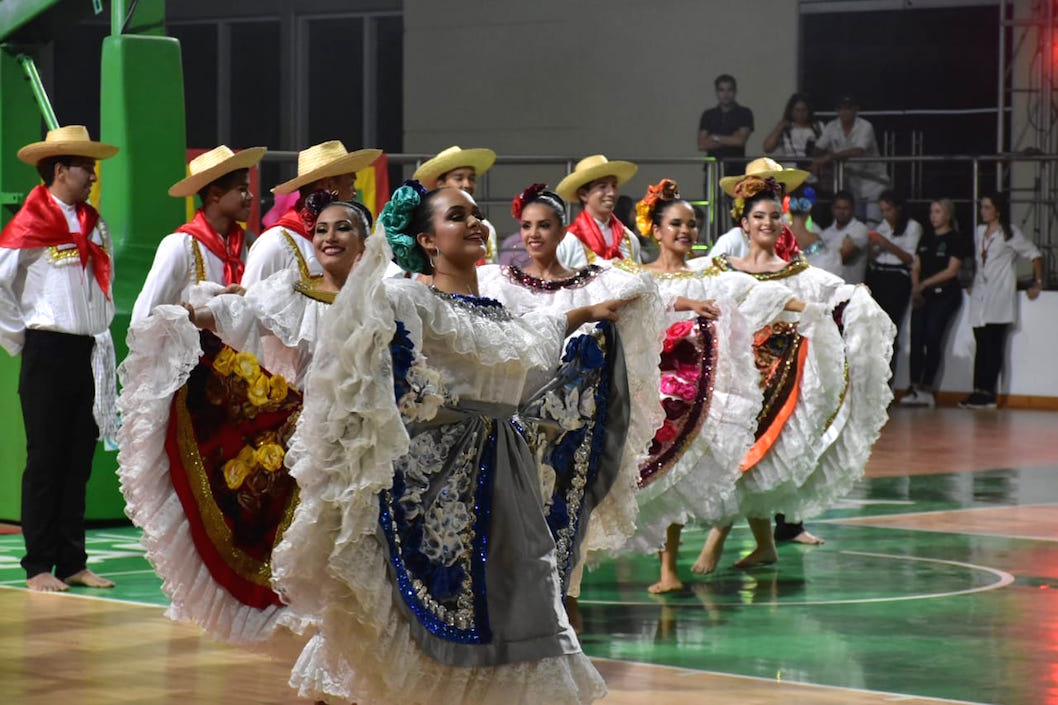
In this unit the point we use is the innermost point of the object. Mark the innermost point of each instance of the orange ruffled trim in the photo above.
(768, 438)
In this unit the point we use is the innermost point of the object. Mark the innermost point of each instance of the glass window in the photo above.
(335, 77)
(198, 52)
(254, 107)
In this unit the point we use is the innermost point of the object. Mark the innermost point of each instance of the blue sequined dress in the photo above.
(420, 546)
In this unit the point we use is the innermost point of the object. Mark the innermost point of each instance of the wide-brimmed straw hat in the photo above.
(765, 167)
(68, 141)
(326, 159)
(479, 159)
(210, 166)
(591, 168)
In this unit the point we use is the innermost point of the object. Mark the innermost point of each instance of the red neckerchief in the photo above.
(298, 219)
(228, 249)
(41, 223)
(786, 246)
(586, 228)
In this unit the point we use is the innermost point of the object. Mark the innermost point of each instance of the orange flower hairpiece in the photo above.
(748, 188)
(664, 190)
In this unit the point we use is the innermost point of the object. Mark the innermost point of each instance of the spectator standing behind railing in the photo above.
(851, 136)
(723, 130)
(892, 252)
(935, 298)
(792, 139)
(997, 245)
(848, 236)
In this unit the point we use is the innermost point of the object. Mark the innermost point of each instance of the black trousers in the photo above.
(929, 326)
(991, 340)
(57, 389)
(891, 288)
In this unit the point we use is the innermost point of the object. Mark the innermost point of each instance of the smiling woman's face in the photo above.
(763, 223)
(678, 229)
(338, 239)
(459, 232)
(541, 230)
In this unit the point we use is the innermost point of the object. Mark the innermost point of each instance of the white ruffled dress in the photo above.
(277, 321)
(694, 470)
(852, 366)
(613, 521)
(419, 546)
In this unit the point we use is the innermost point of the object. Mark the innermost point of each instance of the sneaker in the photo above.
(925, 399)
(979, 400)
(910, 399)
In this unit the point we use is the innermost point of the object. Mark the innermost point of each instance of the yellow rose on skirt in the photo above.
(258, 390)
(270, 456)
(224, 362)
(236, 472)
(246, 366)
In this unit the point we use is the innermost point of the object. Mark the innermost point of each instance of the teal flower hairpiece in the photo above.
(395, 218)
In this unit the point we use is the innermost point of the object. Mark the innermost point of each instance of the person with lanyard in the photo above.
(251, 359)
(892, 252)
(596, 234)
(327, 166)
(460, 168)
(993, 297)
(198, 251)
(56, 306)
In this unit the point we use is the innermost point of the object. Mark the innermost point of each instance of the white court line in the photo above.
(82, 596)
(758, 679)
(1005, 579)
(869, 522)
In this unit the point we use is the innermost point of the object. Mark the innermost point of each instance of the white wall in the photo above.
(1029, 368)
(626, 78)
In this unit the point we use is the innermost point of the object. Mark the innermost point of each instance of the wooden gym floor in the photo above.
(938, 584)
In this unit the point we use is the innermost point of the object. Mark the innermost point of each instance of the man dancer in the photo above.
(55, 309)
(288, 244)
(599, 233)
(210, 247)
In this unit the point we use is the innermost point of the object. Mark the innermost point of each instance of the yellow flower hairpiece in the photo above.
(664, 190)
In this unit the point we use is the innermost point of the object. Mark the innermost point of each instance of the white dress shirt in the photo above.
(906, 241)
(854, 270)
(277, 249)
(993, 298)
(179, 263)
(574, 254)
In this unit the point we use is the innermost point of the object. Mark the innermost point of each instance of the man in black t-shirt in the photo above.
(723, 130)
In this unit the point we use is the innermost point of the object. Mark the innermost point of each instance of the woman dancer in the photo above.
(546, 284)
(821, 448)
(418, 491)
(708, 384)
(206, 421)
(994, 294)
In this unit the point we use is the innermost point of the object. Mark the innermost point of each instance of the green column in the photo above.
(19, 125)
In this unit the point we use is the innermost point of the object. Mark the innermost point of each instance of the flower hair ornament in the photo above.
(539, 193)
(802, 203)
(395, 218)
(748, 188)
(664, 190)
(310, 206)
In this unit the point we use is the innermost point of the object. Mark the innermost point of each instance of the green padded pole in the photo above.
(142, 112)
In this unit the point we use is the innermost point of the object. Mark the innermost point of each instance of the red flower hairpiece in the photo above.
(524, 198)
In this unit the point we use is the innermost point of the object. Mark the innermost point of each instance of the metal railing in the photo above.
(1041, 200)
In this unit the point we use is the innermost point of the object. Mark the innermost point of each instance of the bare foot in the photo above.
(87, 578)
(711, 551)
(573, 613)
(46, 582)
(668, 583)
(808, 538)
(759, 556)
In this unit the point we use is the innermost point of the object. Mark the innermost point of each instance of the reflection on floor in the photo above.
(938, 583)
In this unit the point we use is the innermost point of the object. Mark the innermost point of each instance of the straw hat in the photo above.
(328, 158)
(210, 166)
(591, 168)
(480, 159)
(765, 167)
(69, 141)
